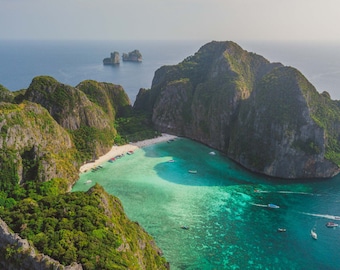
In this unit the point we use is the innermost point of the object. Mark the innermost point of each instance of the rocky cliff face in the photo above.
(69, 106)
(45, 133)
(29, 135)
(87, 112)
(265, 116)
(112, 60)
(27, 258)
(110, 97)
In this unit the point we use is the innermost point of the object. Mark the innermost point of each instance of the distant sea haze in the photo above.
(71, 62)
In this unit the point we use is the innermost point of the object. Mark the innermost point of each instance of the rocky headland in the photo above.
(47, 132)
(265, 116)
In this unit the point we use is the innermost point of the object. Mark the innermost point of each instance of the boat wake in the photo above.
(284, 192)
(322, 215)
(295, 192)
(260, 205)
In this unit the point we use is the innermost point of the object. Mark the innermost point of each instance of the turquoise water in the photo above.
(225, 208)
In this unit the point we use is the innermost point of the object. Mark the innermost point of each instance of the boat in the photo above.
(192, 171)
(212, 153)
(281, 230)
(271, 205)
(171, 161)
(185, 227)
(130, 152)
(88, 182)
(313, 234)
(331, 224)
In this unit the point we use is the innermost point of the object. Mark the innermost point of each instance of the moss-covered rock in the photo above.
(91, 125)
(33, 145)
(5, 94)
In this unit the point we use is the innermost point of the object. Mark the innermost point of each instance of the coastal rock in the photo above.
(33, 145)
(70, 107)
(110, 97)
(263, 115)
(74, 111)
(5, 94)
(112, 60)
(134, 56)
(27, 258)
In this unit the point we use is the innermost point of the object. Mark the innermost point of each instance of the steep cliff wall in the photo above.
(18, 254)
(110, 97)
(265, 116)
(39, 160)
(88, 122)
(33, 145)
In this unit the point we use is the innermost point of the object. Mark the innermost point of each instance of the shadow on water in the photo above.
(187, 162)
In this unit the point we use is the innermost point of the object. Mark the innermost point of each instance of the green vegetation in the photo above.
(326, 114)
(5, 94)
(39, 160)
(75, 227)
(135, 126)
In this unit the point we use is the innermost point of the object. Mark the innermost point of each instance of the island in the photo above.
(134, 56)
(113, 60)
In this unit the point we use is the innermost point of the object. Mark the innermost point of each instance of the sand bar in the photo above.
(123, 149)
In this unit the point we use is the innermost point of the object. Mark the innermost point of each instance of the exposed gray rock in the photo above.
(18, 254)
(263, 115)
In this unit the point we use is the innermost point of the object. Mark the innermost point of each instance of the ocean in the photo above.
(224, 206)
(225, 209)
(71, 62)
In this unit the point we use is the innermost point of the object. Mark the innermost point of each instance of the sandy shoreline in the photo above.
(123, 149)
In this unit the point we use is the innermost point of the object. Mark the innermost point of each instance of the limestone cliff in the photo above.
(134, 56)
(47, 131)
(265, 116)
(110, 97)
(112, 60)
(33, 146)
(74, 111)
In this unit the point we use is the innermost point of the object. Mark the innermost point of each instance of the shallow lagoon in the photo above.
(225, 208)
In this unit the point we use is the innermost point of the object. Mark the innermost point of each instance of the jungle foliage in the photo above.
(89, 228)
(75, 227)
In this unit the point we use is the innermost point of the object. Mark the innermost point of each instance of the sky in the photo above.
(170, 19)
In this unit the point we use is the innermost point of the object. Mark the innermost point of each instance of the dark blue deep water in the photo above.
(71, 62)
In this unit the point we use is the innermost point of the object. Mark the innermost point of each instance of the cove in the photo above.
(224, 208)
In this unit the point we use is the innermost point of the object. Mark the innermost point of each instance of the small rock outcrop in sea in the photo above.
(266, 116)
(134, 56)
(113, 60)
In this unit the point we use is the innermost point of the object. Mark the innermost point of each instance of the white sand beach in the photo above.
(123, 149)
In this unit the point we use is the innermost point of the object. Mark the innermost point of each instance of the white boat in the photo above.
(192, 171)
(271, 205)
(313, 234)
(88, 182)
(331, 224)
(212, 153)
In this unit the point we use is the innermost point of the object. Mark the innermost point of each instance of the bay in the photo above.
(225, 208)
(230, 226)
